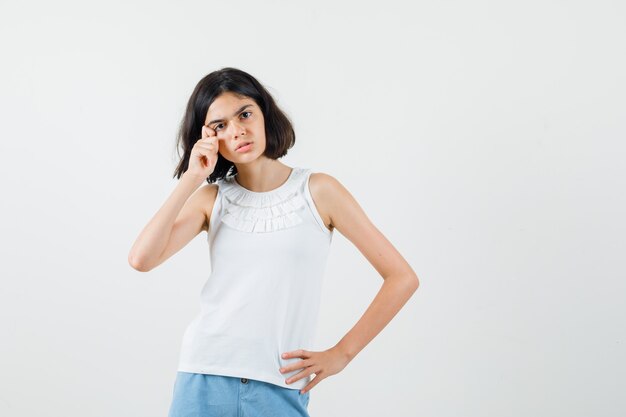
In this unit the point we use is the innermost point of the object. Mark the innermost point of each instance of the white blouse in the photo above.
(268, 253)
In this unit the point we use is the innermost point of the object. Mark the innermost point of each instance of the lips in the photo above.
(243, 144)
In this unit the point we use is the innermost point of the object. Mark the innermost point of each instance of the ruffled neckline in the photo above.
(289, 179)
(267, 211)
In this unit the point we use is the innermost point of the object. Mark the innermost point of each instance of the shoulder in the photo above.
(207, 192)
(325, 184)
(321, 182)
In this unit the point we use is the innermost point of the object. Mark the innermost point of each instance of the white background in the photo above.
(485, 139)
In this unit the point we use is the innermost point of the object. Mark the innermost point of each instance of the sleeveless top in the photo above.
(268, 253)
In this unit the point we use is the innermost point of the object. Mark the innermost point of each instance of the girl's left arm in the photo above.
(400, 281)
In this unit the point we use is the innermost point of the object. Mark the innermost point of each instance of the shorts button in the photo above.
(244, 380)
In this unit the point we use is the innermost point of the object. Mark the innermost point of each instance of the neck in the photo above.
(263, 174)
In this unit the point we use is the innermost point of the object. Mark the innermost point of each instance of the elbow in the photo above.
(137, 263)
(417, 282)
(413, 283)
(407, 281)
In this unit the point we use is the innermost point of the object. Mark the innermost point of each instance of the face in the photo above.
(237, 120)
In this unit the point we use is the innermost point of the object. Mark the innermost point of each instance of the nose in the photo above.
(237, 130)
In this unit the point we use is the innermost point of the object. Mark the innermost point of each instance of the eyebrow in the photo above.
(234, 114)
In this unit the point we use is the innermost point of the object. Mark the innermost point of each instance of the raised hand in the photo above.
(203, 156)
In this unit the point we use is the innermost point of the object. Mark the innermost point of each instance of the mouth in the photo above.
(243, 144)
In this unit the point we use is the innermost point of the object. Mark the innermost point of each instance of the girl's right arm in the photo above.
(184, 214)
(181, 218)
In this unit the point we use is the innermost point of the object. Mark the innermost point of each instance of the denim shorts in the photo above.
(207, 395)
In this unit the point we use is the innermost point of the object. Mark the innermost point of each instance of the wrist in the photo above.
(344, 351)
(195, 179)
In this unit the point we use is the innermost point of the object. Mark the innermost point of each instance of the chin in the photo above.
(244, 157)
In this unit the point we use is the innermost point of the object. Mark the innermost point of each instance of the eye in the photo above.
(220, 124)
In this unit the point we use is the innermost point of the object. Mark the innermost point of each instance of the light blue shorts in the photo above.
(205, 395)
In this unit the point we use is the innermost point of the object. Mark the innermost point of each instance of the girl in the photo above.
(269, 228)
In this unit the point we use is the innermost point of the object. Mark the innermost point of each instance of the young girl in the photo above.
(269, 228)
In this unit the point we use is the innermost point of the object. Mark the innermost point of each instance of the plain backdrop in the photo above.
(485, 139)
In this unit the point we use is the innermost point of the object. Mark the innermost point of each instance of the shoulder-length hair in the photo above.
(279, 133)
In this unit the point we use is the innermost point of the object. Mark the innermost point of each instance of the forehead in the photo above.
(225, 104)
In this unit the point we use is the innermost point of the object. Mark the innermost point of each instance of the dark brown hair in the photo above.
(279, 133)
